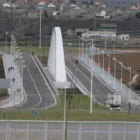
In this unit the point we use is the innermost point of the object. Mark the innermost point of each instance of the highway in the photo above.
(100, 91)
(100, 88)
(38, 92)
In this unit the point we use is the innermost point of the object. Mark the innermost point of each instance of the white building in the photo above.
(123, 37)
(6, 5)
(101, 14)
(99, 35)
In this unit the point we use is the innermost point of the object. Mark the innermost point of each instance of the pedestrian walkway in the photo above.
(16, 86)
(110, 80)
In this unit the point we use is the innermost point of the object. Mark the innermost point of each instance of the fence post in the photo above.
(46, 131)
(27, 131)
(138, 129)
(95, 131)
(80, 131)
(110, 132)
(7, 134)
(124, 136)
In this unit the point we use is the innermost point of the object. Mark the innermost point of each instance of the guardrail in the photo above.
(80, 86)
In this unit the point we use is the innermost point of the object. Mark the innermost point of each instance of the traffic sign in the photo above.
(41, 6)
(36, 113)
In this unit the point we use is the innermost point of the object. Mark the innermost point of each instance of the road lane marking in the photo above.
(35, 86)
(87, 79)
(46, 83)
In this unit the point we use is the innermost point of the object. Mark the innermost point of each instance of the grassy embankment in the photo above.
(78, 109)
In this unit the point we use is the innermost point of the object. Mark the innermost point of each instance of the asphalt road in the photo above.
(100, 88)
(39, 94)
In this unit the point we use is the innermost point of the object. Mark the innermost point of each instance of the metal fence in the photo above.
(51, 130)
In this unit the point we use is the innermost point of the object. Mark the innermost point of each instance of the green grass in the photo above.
(78, 105)
(44, 50)
(78, 111)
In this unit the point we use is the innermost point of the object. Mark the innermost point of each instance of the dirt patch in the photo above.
(129, 59)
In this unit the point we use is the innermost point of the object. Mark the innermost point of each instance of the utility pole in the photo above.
(94, 22)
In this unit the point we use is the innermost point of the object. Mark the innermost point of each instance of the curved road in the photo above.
(39, 94)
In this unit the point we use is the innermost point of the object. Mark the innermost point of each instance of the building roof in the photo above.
(107, 25)
(5, 5)
(51, 5)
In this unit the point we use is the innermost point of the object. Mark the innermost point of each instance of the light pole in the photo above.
(65, 106)
(82, 47)
(13, 45)
(79, 46)
(40, 29)
(91, 87)
(103, 62)
(105, 39)
(12, 42)
(129, 68)
(40, 34)
(6, 42)
(86, 52)
(23, 66)
(114, 71)
(98, 55)
(121, 63)
(114, 42)
(41, 6)
(98, 59)
(108, 69)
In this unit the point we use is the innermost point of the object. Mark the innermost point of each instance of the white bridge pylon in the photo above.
(56, 61)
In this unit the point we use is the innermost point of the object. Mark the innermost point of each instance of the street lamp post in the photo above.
(130, 82)
(91, 87)
(40, 33)
(98, 55)
(114, 71)
(121, 63)
(65, 120)
(12, 40)
(40, 29)
(105, 39)
(86, 52)
(103, 62)
(79, 47)
(6, 42)
(82, 49)
(82, 46)
(109, 68)
(41, 6)
(98, 59)
(23, 66)
(114, 43)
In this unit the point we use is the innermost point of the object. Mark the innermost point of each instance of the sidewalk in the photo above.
(16, 86)
(110, 81)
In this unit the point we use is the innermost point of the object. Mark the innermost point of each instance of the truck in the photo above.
(114, 99)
